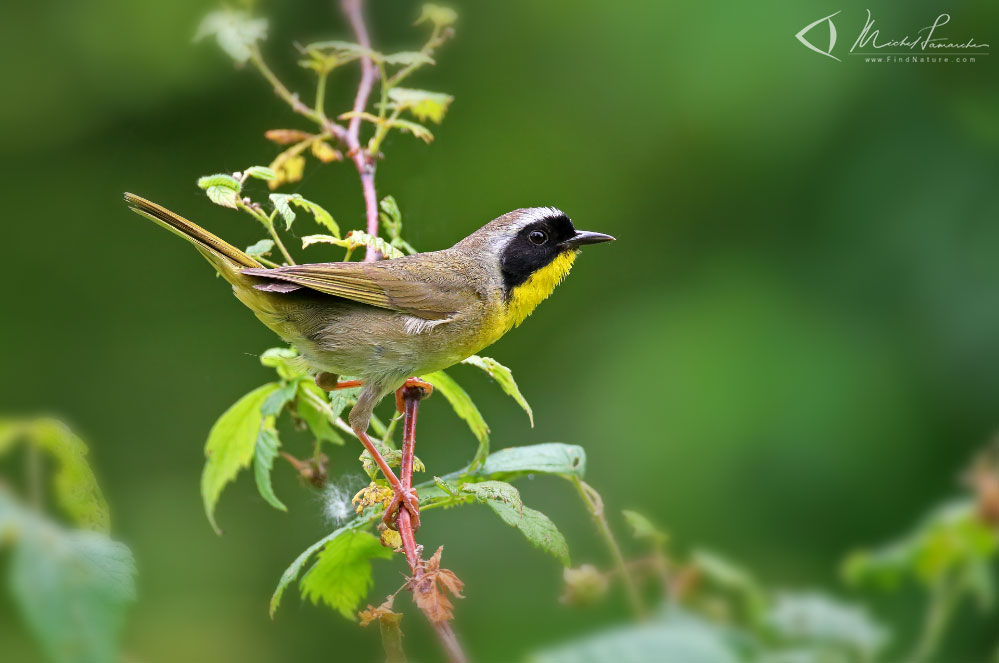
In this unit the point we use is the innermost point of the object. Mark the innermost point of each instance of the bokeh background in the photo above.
(790, 351)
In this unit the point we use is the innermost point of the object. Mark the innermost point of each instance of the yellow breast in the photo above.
(525, 297)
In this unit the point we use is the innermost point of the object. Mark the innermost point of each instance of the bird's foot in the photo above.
(329, 382)
(405, 498)
(412, 383)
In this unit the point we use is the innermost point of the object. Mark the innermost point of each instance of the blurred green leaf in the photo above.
(547, 458)
(536, 527)
(235, 31)
(285, 361)
(72, 588)
(422, 104)
(439, 15)
(735, 580)
(815, 618)
(75, 485)
(642, 528)
(231, 444)
(341, 576)
(260, 173)
(414, 128)
(407, 58)
(261, 248)
(316, 419)
(504, 377)
(265, 451)
(677, 637)
(464, 408)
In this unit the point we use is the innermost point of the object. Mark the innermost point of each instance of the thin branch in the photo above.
(445, 633)
(595, 505)
(364, 161)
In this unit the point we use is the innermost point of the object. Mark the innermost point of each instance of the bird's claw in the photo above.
(404, 498)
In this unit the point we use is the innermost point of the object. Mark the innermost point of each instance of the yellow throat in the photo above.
(525, 297)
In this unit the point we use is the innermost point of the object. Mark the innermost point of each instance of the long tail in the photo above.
(224, 256)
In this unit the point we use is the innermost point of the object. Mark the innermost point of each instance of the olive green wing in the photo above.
(417, 287)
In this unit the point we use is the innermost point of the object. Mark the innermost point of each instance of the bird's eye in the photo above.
(537, 237)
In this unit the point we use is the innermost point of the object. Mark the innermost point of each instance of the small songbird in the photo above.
(386, 321)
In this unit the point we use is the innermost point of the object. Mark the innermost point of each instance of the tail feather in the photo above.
(221, 254)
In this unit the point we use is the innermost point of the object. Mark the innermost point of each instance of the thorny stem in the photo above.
(411, 398)
(595, 505)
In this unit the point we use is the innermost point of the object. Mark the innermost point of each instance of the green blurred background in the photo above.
(789, 352)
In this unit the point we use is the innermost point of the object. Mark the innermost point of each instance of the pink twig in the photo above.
(411, 398)
(364, 160)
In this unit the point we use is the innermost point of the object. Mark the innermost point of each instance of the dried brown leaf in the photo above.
(325, 152)
(286, 136)
(382, 612)
(430, 589)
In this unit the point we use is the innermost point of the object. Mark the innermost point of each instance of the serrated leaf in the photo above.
(219, 179)
(223, 196)
(424, 105)
(231, 443)
(75, 485)
(504, 378)
(535, 526)
(499, 491)
(341, 576)
(355, 239)
(72, 588)
(235, 31)
(642, 527)
(547, 458)
(316, 419)
(291, 573)
(464, 408)
(261, 248)
(408, 58)
(278, 399)
(260, 173)
(283, 202)
(265, 452)
(439, 15)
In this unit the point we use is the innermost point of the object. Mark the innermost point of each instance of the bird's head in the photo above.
(534, 248)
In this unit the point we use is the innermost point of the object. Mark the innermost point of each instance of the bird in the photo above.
(386, 321)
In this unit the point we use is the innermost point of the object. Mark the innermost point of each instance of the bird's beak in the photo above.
(586, 237)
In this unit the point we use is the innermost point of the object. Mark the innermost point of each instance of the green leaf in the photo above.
(731, 578)
(284, 201)
(263, 462)
(504, 377)
(224, 196)
(235, 31)
(291, 573)
(341, 576)
(547, 458)
(345, 50)
(260, 173)
(439, 15)
(505, 501)
(422, 104)
(340, 399)
(355, 239)
(285, 361)
(811, 617)
(261, 248)
(278, 399)
(408, 58)
(75, 485)
(464, 408)
(219, 180)
(677, 637)
(414, 128)
(231, 444)
(642, 528)
(72, 588)
(316, 419)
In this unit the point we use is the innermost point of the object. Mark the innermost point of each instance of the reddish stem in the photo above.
(411, 397)
(364, 161)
